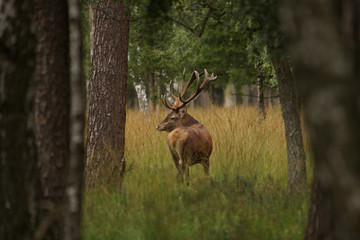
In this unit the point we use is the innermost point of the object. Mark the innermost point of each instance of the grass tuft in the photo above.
(245, 197)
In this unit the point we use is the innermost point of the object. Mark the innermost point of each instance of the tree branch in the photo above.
(202, 24)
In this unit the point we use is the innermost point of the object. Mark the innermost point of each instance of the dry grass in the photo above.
(243, 144)
(239, 201)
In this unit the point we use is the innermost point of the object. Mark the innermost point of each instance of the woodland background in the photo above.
(73, 73)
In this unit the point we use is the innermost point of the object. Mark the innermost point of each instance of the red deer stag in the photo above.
(189, 141)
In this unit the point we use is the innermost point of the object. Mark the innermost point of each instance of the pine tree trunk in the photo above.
(52, 109)
(18, 175)
(107, 93)
(320, 222)
(293, 133)
(261, 100)
(153, 92)
(326, 51)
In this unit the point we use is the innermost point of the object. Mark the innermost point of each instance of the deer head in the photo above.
(178, 115)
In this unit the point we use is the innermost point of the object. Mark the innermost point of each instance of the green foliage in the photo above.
(230, 38)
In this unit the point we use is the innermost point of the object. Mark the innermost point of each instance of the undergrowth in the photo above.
(245, 197)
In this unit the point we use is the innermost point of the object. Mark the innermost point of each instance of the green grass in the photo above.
(239, 201)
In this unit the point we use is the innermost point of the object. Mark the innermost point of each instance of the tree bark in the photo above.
(18, 175)
(324, 39)
(320, 223)
(52, 109)
(293, 133)
(230, 98)
(141, 96)
(107, 97)
(261, 100)
(72, 211)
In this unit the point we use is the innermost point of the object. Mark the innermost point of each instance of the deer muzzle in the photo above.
(160, 127)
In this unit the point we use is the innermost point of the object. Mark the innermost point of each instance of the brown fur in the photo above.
(189, 141)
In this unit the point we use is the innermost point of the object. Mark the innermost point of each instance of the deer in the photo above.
(188, 140)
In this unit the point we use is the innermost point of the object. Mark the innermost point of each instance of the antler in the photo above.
(195, 75)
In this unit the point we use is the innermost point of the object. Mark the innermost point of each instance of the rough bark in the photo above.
(107, 97)
(261, 100)
(72, 211)
(320, 223)
(324, 39)
(293, 133)
(52, 111)
(18, 188)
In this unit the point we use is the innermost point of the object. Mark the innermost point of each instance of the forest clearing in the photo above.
(88, 151)
(246, 195)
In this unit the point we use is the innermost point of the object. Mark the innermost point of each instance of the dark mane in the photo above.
(188, 120)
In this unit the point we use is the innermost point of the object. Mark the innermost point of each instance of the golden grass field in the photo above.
(243, 144)
(245, 197)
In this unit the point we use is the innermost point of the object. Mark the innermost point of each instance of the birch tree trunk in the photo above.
(72, 211)
(107, 93)
(142, 99)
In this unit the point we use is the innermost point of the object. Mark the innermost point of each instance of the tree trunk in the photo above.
(141, 95)
(324, 39)
(72, 211)
(229, 95)
(203, 100)
(153, 92)
(52, 109)
(247, 95)
(320, 223)
(293, 134)
(18, 175)
(261, 100)
(107, 97)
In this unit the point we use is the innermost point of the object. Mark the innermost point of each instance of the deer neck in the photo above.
(187, 120)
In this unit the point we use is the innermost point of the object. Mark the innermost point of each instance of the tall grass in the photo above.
(245, 197)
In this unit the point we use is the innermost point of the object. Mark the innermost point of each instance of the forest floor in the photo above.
(245, 197)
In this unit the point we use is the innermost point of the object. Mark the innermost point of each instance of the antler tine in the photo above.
(207, 79)
(194, 75)
(197, 91)
(166, 103)
(184, 75)
(171, 93)
(183, 81)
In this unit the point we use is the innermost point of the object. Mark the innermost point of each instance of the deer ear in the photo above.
(182, 111)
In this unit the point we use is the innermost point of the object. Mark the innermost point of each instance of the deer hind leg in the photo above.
(183, 170)
(178, 164)
(206, 165)
(180, 174)
(176, 158)
(187, 173)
